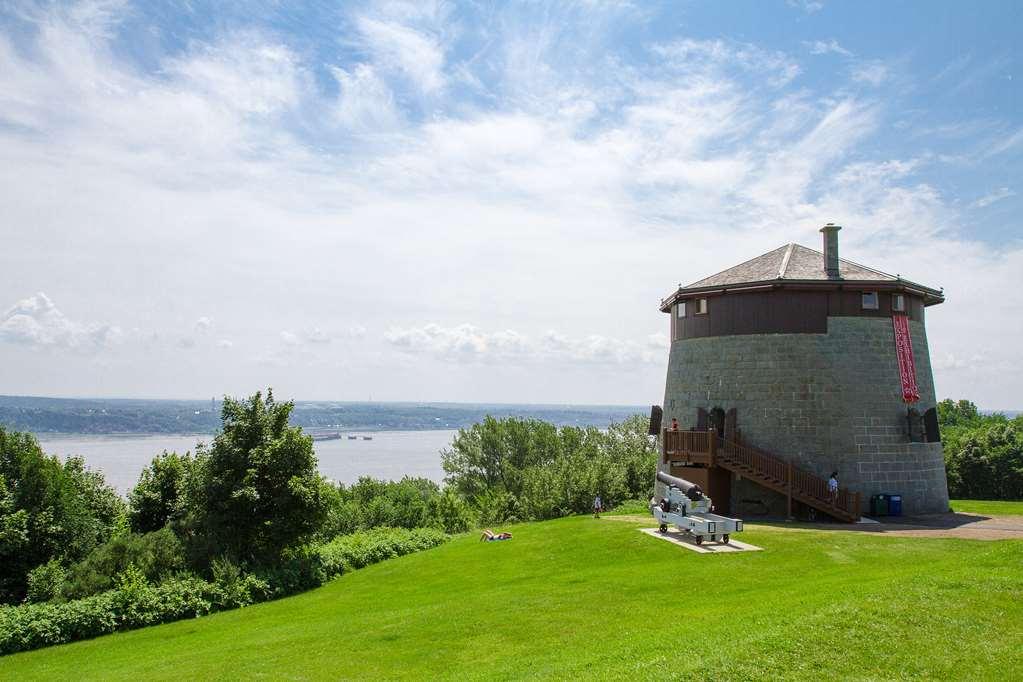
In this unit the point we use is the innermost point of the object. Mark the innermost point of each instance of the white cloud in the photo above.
(808, 6)
(401, 48)
(872, 72)
(36, 322)
(244, 72)
(997, 195)
(1006, 143)
(225, 344)
(365, 101)
(317, 336)
(465, 342)
(827, 47)
(290, 338)
(203, 325)
(714, 55)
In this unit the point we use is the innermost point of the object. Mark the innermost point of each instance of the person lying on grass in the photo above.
(491, 536)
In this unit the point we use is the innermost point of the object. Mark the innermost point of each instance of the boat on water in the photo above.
(367, 438)
(352, 436)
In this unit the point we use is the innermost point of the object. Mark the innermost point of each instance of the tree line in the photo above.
(983, 452)
(249, 517)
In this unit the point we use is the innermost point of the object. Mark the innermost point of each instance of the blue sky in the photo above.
(483, 201)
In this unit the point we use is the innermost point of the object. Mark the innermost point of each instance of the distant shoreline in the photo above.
(125, 417)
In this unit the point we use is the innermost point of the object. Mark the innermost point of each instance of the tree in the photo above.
(156, 499)
(255, 491)
(48, 510)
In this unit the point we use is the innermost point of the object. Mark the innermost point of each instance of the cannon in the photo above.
(688, 508)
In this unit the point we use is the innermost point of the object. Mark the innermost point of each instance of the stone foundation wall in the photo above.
(830, 402)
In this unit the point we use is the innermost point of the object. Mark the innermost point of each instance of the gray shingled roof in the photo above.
(789, 262)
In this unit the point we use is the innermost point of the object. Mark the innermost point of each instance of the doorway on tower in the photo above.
(723, 421)
(714, 480)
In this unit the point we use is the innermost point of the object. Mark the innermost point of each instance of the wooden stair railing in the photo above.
(782, 476)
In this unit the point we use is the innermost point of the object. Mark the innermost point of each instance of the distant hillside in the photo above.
(104, 416)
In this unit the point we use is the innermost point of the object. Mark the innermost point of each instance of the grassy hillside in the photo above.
(585, 598)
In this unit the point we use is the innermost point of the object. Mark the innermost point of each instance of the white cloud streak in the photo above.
(468, 343)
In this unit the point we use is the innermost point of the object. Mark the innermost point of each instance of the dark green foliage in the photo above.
(395, 504)
(134, 602)
(450, 512)
(45, 582)
(983, 453)
(157, 498)
(154, 555)
(369, 547)
(255, 491)
(48, 510)
(514, 469)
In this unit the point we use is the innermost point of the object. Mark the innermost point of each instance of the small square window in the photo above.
(701, 306)
(870, 300)
(898, 303)
(681, 309)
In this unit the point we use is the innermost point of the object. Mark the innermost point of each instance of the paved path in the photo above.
(951, 525)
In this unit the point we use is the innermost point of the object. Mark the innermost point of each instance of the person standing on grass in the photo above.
(598, 506)
(833, 488)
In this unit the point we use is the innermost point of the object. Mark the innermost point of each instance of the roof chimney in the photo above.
(830, 232)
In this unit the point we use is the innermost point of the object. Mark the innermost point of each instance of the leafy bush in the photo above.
(132, 605)
(155, 555)
(45, 582)
(48, 510)
(379, 544)
(156, 499)
(135, 603)
(983, 453)
(518, 469)
(449, 512)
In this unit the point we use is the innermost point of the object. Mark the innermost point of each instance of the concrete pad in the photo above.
(681, 539)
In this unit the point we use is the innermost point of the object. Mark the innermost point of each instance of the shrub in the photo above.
(135, 603)
(512, 469)
(368, 547)
(451, 513)
(156, 499)
(48, 510)
(45, 582)
(155, 555)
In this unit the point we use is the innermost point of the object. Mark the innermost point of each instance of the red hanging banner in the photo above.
(904, 351)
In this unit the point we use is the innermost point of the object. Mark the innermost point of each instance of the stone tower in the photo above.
(803, 355)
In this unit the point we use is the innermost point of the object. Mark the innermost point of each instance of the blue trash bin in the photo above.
(895, 505)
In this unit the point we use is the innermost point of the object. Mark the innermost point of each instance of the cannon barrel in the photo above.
(688, 489)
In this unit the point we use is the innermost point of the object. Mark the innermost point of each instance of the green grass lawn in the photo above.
(584, 598)
(993, 507)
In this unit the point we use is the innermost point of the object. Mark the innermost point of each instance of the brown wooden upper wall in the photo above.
(781, 311)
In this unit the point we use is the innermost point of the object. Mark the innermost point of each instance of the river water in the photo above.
(390, 455)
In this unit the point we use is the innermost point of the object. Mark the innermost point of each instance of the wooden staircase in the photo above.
(763, 468)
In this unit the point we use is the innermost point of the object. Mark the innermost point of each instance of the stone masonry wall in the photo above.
(827, 401)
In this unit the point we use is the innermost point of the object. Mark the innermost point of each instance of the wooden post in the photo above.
(788, 489)
(712, 435)
(856, 504)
